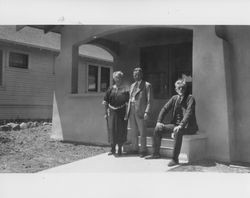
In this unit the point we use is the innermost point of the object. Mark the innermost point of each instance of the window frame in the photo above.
(19, 52)
(3, 66)
(99, 66)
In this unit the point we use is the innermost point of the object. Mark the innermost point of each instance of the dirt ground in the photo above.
(31, 150)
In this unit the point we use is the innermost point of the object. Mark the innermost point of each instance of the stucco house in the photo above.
(215, 60)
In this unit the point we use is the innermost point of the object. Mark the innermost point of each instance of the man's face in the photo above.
(180, 89)
(137, 75)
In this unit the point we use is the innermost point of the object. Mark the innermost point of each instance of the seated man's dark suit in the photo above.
(182, 109)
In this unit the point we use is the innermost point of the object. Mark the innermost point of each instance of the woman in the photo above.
(115, 101)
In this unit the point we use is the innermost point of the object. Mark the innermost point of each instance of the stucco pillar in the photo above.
(63, 70)
(210, 90)
(237, 45)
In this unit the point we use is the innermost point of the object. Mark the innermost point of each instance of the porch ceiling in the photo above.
(150, 35)
(140, 36)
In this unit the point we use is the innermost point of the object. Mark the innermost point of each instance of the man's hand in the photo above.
(175, 131)
(145, 116)
(159, 125)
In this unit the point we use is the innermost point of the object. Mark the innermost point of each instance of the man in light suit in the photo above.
(138, 111)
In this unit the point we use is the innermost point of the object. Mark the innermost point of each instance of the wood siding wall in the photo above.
(27, 93)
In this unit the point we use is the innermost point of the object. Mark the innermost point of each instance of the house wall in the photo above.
(237, 44)
(27, 93)
(210, 91)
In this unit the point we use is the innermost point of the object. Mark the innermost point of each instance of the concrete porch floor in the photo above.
(104, 163)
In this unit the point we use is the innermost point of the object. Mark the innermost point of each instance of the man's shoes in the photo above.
(173, 163)
(143, 154)
(132, 152)
(154, 156)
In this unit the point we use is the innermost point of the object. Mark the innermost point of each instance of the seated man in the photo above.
(183, 121)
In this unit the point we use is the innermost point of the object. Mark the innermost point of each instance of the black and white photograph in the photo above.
(125, 101)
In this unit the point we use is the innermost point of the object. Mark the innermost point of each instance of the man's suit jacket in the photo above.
(143, 99)
(188, 107)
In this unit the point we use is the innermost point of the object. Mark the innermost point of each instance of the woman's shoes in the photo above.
(111, 153)
(119, 151)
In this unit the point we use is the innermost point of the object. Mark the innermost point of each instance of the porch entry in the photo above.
(162, 66)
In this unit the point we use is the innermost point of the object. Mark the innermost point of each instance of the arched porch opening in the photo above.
(95, 67)
(164, 53)
(91, 69)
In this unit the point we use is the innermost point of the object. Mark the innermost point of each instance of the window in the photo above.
(1, 67)
(98, 78)
(18, 60)
(105, 78)
(93, 78)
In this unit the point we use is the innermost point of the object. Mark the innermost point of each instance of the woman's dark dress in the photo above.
(117, 133)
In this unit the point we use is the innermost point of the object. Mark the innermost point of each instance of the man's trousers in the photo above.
(138, 127)
(168, 129)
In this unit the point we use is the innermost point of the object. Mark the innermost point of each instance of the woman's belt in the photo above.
(115, 108)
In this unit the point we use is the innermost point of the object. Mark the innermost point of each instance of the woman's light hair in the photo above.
(117, 74)
(181, 83)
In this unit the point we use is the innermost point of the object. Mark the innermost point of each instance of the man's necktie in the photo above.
(180, 99)
(134, 91)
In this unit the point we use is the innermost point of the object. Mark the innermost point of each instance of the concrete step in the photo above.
(165, 142)
(166, 149)
(193, 147)
(166, 152)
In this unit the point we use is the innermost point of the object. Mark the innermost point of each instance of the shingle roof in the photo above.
(30, 36)
(35, 37)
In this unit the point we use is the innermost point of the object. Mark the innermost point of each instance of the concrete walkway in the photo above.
(103, 163)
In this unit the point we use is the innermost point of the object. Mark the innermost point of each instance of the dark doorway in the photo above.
(162, 66)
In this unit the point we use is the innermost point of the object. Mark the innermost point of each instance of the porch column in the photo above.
(64, 84)
(211, 91)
